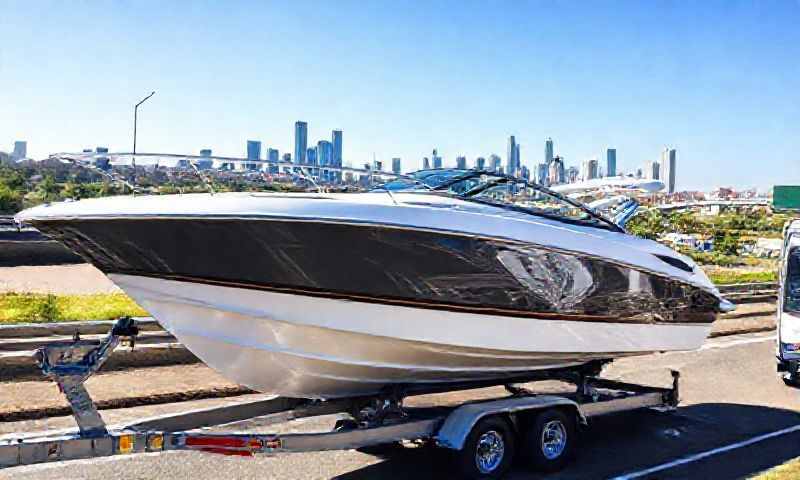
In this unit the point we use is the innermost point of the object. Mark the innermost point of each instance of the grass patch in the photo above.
(727, 277)
(788, 471)
(38, 307)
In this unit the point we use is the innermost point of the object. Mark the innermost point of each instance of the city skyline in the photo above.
(717, 85)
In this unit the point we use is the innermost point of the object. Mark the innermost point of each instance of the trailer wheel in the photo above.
(549, 442)
(488, 449)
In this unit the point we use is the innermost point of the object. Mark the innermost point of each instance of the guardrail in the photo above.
(748, 287)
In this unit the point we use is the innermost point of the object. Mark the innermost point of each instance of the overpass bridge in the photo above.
(736, 203)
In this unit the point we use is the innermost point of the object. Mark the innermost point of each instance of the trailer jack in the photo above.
(70, 364)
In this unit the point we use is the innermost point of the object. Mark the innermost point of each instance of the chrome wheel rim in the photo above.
(490, 451)
(554, 439)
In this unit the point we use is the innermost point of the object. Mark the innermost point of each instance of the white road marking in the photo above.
(736, 342)
(706, 454)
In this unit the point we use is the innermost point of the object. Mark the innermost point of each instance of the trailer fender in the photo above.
(457, 426)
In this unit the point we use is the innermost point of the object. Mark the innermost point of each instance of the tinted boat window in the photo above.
(534, 201)
(791, 290)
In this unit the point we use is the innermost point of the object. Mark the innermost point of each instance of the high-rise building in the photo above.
(377, 165)
(426, 163)
(525, 173)
(325, 153)
(511, 159)
(336, 139)
(548, 151)
(480, 163)
(589, 169)
(572, 174)
(300, 142)
(253, 149)
(287, 157)
(437, 160)
(311, 156)
(205, 161)
(273, 155)
(396, 165)
(517, 158)
(20, 150)
(667, 172)
(652, 170)
(541, 174)
(638, 173)
(494, 162)
(461, 162)
(555, 172)
(611, 162)
(253, 153)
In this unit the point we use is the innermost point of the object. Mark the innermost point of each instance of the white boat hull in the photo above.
(314, 347)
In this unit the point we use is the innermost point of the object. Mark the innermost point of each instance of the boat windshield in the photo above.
(426, 179)
(521, 195)
(502, 191)
(791, 286)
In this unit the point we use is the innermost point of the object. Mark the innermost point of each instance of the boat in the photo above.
(443, 276)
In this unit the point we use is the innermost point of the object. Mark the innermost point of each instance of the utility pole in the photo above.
(135, 120)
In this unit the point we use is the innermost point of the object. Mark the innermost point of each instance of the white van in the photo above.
(789, 305)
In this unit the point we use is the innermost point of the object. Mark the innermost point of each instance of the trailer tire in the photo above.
(488, 451)
(550, 440)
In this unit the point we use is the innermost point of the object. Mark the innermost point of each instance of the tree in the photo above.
(726, 242)
(48, 189)
(10, 200)
(647, 224)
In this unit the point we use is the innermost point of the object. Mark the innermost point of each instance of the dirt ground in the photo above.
(56, 279)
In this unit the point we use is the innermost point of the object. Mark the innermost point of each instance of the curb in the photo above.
(97, 327)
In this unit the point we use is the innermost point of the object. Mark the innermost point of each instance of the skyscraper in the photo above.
(480, 163)
(541, 174)
(652, 170)
(311, 156)
(511, 158)
(300, 142)
(426, 163)
(461, 162)
(667, 173)
(337, 148)
(494, 162)
(20, 150)
(548, 150)
(517, 159)
(589, 169)
(273, 155)
(555, 173)
(253, 149)
(253, 153)
(396, 165)
(572, 174)
(611, 162)
(206, 161)
(325, 153)
(437, 160)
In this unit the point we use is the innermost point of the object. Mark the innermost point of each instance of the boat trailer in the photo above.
(482, 433)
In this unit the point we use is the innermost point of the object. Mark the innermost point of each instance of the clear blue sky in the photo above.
(716, 80)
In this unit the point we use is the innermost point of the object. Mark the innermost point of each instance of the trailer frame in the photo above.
(365, 421)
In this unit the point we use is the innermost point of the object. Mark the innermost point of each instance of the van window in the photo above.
(791, 287)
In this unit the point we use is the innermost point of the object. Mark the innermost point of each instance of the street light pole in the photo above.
(135, 120)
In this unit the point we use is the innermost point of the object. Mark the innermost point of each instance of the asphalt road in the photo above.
(730, 394)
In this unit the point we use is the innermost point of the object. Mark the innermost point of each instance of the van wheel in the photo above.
(550, 440)
(488, 449)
